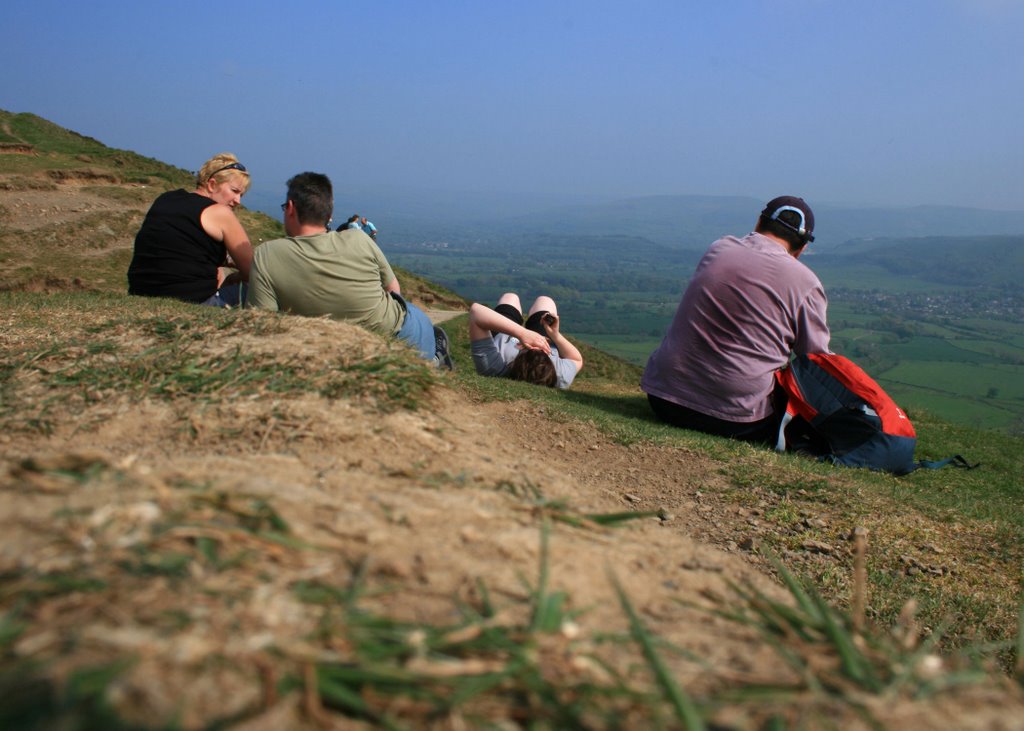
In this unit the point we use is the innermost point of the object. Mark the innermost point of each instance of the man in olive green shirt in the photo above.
(315, 271)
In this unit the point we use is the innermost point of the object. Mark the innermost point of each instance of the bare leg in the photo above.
(543, 303)
(511, 298)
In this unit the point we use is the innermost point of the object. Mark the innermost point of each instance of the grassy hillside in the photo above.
(218, 519)
(81, 204)
(42, 150)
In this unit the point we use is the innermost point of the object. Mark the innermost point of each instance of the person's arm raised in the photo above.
(565, 349)
(221, 223)
(482, 320)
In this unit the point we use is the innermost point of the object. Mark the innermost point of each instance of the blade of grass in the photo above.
(1019, 665)
(685, 709)
(540, 617)
(613, 518)
(854, 664)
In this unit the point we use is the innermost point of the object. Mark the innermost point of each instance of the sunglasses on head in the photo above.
(233, 166)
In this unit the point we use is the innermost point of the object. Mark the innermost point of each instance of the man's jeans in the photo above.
(231, 295)
(417, 329)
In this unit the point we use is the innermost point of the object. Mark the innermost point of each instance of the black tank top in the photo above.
(174, 256)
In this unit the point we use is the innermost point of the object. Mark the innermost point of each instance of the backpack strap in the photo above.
(780, 442)
(956, 461)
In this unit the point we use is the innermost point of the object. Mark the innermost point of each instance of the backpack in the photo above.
(836, 412)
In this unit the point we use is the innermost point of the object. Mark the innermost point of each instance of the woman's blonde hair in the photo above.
(220, 168)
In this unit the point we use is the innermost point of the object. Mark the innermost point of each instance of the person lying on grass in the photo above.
(534, 351)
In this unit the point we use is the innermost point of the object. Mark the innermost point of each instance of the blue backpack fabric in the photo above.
(837, 412)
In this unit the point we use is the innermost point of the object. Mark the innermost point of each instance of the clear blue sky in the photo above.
(860, 102)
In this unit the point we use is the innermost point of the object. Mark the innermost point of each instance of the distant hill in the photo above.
(688, 222)
(969, 261)
(695, 221)
(838, 225)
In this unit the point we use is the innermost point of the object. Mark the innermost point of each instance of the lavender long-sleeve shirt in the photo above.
(749, 305)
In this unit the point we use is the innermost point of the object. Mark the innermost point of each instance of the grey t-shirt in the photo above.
(493, 357)
(749, 305)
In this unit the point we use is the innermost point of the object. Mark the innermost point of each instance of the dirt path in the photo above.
(439, 316)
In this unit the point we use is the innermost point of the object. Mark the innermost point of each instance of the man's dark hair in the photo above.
(534, 366)
(313, 197)
(789, 218)
(786, 233)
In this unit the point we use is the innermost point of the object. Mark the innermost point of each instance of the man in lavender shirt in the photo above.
(749, 305)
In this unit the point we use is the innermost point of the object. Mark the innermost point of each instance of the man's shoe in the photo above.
(441, 349)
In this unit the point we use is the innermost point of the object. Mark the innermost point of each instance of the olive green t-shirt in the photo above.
(337, 273)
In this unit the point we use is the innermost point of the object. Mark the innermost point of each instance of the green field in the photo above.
(868, 278)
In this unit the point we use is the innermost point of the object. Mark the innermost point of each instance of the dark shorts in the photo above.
(765, 431)
(533, 323)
